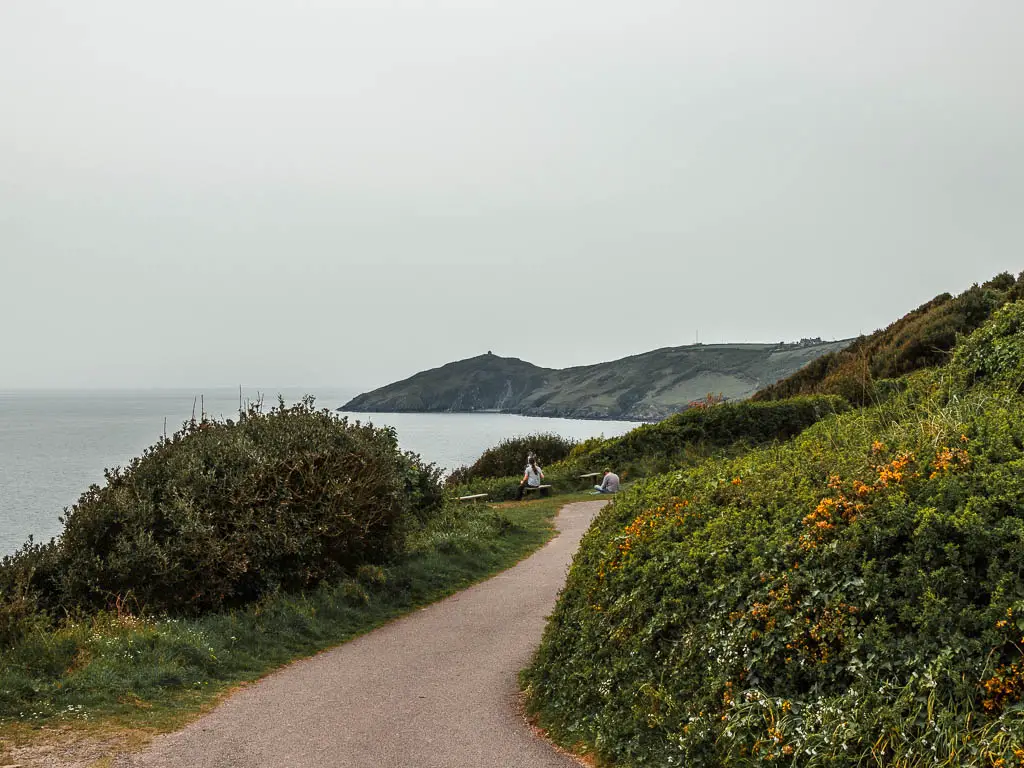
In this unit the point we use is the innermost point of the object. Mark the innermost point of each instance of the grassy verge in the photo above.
(122, 672)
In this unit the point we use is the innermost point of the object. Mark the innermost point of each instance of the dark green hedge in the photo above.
(716, 426)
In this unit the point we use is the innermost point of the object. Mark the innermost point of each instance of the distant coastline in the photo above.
(640, 388)
(497, 411)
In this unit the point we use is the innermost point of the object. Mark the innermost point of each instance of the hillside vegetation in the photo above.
(923, 338)
(850, 597)
(643, 387)
(679, 440)
(705, 428)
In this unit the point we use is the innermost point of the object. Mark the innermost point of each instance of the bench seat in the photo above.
(542, 490)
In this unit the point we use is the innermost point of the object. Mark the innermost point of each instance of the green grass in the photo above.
(156, 673)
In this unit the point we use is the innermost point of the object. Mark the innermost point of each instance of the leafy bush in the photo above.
(852, 597)
(24, 578)
(508, 457)
(995, 354)
(222, 513)
(717, 426)
(923, 338)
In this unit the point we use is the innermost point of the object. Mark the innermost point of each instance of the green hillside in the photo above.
(852, 596)
(483, 383)
(923, 338)
(642, 387)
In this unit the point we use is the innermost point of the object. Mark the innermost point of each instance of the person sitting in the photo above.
(609, 484)
(531, 477)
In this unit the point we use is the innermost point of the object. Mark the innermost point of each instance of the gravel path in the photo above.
(436, 689)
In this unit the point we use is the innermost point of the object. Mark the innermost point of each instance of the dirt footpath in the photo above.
(436, 689)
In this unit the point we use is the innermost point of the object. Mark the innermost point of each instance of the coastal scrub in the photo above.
(851, 597)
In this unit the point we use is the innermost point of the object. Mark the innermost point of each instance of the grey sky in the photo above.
(343, 193)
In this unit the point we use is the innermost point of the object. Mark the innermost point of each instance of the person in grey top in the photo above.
(610, 483)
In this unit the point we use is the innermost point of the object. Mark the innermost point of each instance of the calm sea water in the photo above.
(54, 444)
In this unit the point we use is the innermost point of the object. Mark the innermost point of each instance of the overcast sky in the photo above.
(343, 193)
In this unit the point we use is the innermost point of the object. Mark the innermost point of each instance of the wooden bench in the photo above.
(590, 475)
(542, 490)
(473, 497)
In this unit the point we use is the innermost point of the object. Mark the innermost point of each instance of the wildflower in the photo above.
(1006, 686)
(949, 460)
(894, 472)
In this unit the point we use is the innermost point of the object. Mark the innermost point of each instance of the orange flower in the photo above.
(949, 460)
(895, 472)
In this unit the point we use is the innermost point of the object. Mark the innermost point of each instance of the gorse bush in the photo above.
(923, 338)
(509, 457)
(852, 597)
(223, 513)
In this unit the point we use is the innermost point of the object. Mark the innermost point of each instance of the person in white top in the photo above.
(531, 477)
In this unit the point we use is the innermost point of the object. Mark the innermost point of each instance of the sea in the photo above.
(54, 444)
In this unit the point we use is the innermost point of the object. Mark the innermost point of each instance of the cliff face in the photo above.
(643, 387)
